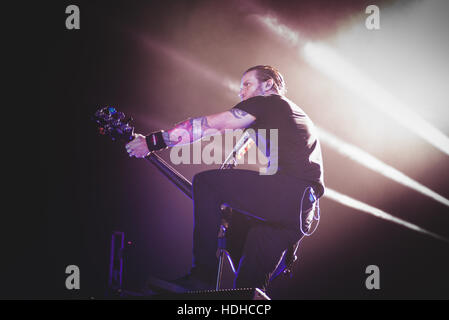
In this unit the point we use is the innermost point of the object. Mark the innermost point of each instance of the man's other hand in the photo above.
(138, 147)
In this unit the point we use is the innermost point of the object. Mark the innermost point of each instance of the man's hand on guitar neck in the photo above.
(138, 147)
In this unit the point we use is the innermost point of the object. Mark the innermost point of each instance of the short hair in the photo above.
(264, 73)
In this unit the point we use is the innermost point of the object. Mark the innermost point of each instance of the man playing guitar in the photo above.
(281, 203)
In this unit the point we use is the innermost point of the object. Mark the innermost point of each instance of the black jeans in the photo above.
(257, 243)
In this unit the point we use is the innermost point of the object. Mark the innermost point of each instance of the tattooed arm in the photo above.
(194, 129)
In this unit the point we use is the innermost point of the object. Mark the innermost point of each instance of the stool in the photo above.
(284, 265)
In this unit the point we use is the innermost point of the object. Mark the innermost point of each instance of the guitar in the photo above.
(114, 124)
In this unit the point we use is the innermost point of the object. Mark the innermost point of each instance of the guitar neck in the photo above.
(174, 176)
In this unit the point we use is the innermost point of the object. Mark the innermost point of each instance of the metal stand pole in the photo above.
(116, 262)
(221, 251)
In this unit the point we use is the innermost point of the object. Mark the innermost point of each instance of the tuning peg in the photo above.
(112, 110)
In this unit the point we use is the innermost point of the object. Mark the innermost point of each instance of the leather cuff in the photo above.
(155, 141)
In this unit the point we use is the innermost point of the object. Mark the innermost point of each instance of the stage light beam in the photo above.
(365, 159)
(361, 206)
(335, 67)
(189, 63)
(327, 61)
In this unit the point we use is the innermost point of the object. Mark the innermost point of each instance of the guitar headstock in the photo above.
(113, 124)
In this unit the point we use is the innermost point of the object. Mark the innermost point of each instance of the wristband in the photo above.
(155, 141)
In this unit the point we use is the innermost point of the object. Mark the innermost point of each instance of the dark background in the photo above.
(88, 187)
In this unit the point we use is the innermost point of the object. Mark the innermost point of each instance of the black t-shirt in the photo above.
(299, 151)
